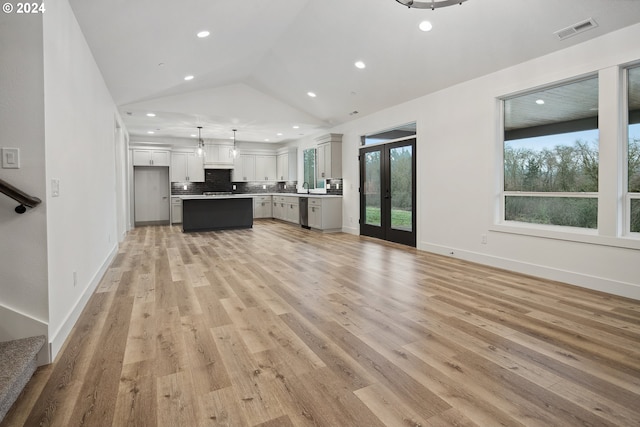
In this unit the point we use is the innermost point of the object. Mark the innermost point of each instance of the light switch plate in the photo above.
(10, 158)
(55, 188)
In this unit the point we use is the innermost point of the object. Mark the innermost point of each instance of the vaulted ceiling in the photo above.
(262, 57)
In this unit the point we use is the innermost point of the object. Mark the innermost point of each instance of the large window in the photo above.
(633, 149)
(551, 156)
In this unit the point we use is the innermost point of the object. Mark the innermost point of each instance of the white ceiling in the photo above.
(254, 71)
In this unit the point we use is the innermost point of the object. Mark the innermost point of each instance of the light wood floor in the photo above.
(280, 326)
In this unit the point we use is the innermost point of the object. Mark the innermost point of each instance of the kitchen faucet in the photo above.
(307, 186)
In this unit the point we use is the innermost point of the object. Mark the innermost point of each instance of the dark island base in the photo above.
(216, 214)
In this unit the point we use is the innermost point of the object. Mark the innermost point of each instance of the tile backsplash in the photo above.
(219, 180)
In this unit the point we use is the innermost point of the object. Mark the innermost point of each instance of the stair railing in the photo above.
(25, 200)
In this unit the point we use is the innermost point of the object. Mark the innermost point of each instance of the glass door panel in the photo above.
(371, 188)
(401, 187)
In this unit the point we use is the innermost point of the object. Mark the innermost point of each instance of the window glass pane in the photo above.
(372, 188)
(400, 160)
(566, 211)
(635, 215)
(309, 163)
(634, 130)
(566, 162)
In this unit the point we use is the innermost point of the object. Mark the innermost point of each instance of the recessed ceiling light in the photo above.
(279, 134)
(150, 132)
(360, 64)
(203, 34)
(425, 26)
(193, 135)
(296, 127)
(266, 140)
(151, 114)
(540, 101)
(311, 94)
(187, 78)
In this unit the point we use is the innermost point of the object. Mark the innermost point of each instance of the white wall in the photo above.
(80, 152)
(23, 248)
(458, 172)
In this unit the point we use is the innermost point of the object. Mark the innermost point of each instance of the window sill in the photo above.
(569, 234)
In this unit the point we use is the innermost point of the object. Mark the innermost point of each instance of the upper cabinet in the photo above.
(329, 156)
(255, 167)
(148, 157)
(265, 168)
(218, 156)
(186, 167)
(286, 165)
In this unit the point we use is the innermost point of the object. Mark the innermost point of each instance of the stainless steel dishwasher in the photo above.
(304, 212)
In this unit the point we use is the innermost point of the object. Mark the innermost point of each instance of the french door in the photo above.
(388, 191)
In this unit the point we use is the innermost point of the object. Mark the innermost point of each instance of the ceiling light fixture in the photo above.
(429, 4)
(296, 127)
(150, 132)
(203, 34)
(200, 149)
(151, 115)
(187, 78)
(425, 26)
(360, 64)
(311, 94)
(540, 101)
(234, 152)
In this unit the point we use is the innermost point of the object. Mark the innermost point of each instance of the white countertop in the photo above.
(247, 195)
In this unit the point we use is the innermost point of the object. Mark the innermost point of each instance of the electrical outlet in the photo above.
(264, 186)
(234, 186)
(75, 279)
(483, 239)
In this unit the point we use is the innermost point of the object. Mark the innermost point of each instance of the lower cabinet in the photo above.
(262, 207)
(325, 213)
(286, 208)
(176, 210)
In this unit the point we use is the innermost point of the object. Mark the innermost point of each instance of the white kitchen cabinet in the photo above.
(325, 213)
(265, 168)
(176, 210)
(292, 210)
(146, 157)
(186, 167)
(329, 156)
(245, 168)
(278, 207)
(218, 156)
(286, 208)
(262, 207)
(282, 167)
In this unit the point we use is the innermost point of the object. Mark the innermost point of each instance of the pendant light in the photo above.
(234, 152)
(200, 149)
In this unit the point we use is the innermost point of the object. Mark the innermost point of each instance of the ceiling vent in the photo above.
(578, 28)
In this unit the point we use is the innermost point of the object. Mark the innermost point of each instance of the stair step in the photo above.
(17, 365)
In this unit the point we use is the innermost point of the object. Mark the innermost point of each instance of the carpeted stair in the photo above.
(17, 365)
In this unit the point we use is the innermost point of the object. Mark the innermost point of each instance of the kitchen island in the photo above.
(206, 213)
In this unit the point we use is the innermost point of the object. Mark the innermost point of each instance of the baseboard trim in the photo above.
(351, 230)
(623, 289)
(57, 340)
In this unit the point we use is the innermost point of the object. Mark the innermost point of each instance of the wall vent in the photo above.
(578, 28)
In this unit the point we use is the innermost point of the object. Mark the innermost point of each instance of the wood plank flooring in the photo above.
(280, 326)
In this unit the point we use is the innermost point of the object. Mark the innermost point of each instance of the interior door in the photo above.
(388, 192)
(151, 195)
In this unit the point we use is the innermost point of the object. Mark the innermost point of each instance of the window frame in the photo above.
(628, 196)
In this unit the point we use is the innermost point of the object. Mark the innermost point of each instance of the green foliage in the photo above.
(566, 211)
(561, 169)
